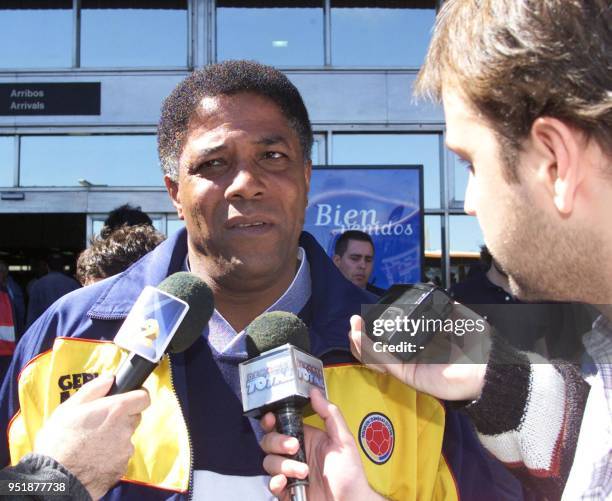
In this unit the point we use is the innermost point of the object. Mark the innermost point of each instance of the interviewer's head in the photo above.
(527, 92)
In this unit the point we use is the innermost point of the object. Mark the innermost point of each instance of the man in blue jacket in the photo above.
(234, 144)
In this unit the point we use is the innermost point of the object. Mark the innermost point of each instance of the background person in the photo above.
(16, 294)
(354, 257)
(7, 322)
(551, 329)
(125, 214)
(49, 288)
(108, 256)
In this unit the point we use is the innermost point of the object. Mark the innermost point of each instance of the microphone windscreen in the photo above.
(198, 296)
(272, 329)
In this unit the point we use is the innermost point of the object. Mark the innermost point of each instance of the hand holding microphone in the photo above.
(280, 377)
(334, 467)
(90, 433)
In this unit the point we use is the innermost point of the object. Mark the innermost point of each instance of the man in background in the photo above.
(354, 257)
(7, 322)
(124, 215)
(108, 256)
(49, 288)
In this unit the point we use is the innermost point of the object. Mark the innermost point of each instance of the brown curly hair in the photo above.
(115, 253)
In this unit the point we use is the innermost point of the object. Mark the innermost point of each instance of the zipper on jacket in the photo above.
(190, 484)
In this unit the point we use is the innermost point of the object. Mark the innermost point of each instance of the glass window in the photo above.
(317, 154)
(276, 32)
(158, 222)
(97, 225)
(433, 232)
(465, 242)
(7, 160)
(314, 154)
(36, 34)
(465, 235)
(459, 170)
(380, 32)
(393, 149)
(433, 252)
(124, 36)
(174, 225)
(107, 160)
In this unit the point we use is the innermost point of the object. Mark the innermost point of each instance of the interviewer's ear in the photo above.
(562, 168)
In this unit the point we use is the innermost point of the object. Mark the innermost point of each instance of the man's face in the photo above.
(356, 263)
(544, 253)
(242, 189)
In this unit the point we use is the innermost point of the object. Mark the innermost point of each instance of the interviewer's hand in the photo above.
(90, 434)
(334, 466)
(461, 380)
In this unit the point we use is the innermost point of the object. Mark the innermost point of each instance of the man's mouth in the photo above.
(249, 225)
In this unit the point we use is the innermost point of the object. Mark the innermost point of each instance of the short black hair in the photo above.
(55, 262)
(226, 79)
(115, 253)
(124, 215)
(343, 240)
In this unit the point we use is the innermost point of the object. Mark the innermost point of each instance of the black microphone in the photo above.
(165, 319)
(278, 377)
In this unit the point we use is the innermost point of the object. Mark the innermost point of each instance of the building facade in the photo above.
(66, 159)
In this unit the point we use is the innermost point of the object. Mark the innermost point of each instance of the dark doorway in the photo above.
(25, 239)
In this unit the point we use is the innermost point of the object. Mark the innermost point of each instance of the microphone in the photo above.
(168, 318)
(278, 377)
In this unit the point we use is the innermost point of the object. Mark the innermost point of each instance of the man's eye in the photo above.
(208, 167)
(212, 165)
(274, 155)
(216, 162)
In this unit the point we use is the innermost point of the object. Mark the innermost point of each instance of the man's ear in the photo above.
(561, 149)
(336, 259)
(173, 190)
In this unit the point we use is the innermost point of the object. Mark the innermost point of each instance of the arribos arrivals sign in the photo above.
(56, 98)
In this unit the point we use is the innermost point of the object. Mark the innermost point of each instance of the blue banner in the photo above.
(385, 202)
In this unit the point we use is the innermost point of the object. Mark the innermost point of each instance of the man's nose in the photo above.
(246, 183)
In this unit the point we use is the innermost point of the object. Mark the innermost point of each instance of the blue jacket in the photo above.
(225, 442)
